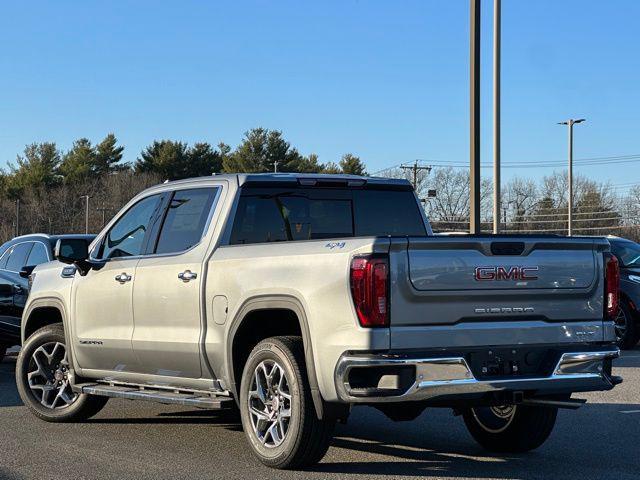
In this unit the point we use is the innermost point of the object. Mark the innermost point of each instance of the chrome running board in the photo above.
(158, 394)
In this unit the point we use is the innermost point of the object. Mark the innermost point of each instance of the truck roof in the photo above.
(305, 179)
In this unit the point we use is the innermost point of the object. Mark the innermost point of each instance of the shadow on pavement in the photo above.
(583, 444)
(8, 393)
(223, 418)
(441, 448)
(628, 359)
(6, 474)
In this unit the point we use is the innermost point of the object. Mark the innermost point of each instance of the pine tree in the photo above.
(264, 150)
(203, 160)
(77, 164)
(36, 168)
(167, 158)
(352, 165)
(108, 156)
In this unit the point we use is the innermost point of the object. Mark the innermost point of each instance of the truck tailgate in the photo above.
(446, 281)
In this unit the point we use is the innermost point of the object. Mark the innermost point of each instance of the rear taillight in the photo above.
(370, 290)
(611, 285)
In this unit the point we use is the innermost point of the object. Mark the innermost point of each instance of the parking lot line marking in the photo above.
(629, 411)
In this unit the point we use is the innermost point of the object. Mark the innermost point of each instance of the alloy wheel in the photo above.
(48, 376)
(269, 403)
(620, 324)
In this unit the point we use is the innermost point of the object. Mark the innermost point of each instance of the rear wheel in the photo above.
(278, 415)
(42, 377)
(625, 326)
(510, 428)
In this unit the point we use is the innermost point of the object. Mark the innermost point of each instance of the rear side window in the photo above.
(186, 219)
(18, 256)
(277, 215)
(383, 212)
(38, 255)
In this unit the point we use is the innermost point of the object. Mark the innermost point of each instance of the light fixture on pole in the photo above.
(570, 123)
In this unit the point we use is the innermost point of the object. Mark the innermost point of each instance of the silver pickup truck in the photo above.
(292, 298)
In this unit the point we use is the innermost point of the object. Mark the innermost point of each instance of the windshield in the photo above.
(628, 253)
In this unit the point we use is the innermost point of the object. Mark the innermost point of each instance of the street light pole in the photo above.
(570, 123)
(496, 116)
(474, 116)
(86, 213)
(17, 217)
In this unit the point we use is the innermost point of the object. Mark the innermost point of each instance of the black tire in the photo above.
(525, 429)
(627, 332)
(306, 438)
(81, 406)
(3, 352)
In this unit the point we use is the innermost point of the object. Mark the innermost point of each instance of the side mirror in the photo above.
(71, 250)
(26, 271)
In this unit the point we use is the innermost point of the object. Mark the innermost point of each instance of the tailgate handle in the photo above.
(507, 248)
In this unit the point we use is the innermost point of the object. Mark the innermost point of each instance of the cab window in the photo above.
(128, 235)
(185, 220)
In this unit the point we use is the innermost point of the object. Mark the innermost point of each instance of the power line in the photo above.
(415, 169)
(608, 160)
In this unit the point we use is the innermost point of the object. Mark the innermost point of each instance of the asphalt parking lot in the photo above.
(143, 440)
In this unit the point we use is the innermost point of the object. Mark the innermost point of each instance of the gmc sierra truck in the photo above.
(292, 298)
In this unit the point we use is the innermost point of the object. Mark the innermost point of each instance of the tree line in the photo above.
(44, 189)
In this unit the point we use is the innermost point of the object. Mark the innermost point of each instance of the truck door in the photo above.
(167, 289)
(102, 300)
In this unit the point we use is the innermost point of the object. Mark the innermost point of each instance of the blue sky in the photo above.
(386, 80)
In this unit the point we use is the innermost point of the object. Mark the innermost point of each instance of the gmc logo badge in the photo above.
(506, 273)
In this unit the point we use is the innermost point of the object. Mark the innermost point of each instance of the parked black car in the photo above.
(628, 318)
(18, 257)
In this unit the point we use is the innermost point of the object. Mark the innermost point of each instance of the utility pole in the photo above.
(17, 217)
(496, 116)
(570, 123)
(275, 166)
(86, 213)
(103, 209)
(415, 169)
(474, 116)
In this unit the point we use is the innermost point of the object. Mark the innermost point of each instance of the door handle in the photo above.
(123, 278)
(17, 289)
(187, 275)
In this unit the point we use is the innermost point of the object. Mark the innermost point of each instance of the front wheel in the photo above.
(510, 428)
(42, 377)
(278, 415)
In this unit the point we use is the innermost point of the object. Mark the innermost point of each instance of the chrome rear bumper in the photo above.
(451, 377)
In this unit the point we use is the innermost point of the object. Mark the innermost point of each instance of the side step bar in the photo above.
(191, 398)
